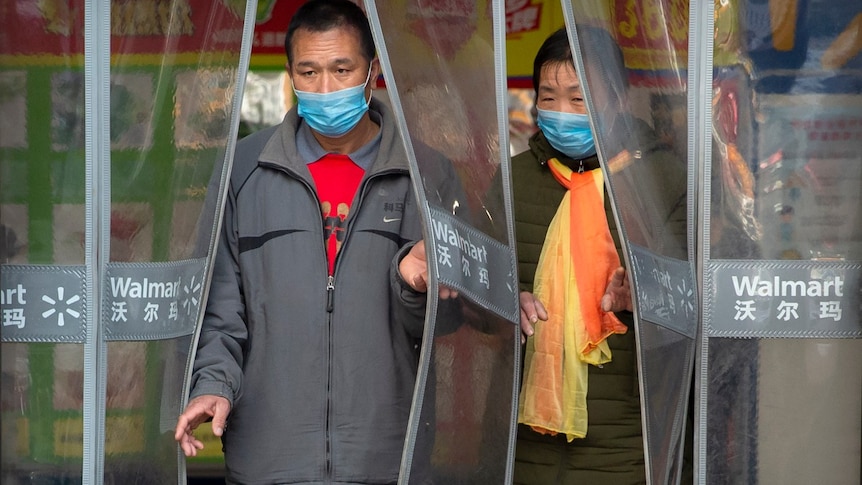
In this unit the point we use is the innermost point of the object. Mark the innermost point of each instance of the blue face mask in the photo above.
(335, 113)
(569, 133)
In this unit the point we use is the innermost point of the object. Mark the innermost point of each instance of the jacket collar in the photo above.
(543, 150)
(281, 148)
(628, 134)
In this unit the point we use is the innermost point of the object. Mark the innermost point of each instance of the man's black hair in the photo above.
(325, 15)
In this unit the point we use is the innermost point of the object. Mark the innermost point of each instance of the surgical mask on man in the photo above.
(335, 113)
(569, 133)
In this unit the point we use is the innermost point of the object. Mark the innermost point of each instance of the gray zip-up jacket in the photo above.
(319, 371)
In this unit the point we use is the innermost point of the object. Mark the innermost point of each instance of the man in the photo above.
(309, 348)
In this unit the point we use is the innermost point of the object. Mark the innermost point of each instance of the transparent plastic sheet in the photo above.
(174, 68)
(172, 119)
(783, 411)
(633, 56)
(41, 186)
(783, 391)
(440, 75)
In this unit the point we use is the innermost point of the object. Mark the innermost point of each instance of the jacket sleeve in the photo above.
(219, 359)
(444, 191)
(408, 304)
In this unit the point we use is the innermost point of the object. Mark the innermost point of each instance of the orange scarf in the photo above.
(577, 260)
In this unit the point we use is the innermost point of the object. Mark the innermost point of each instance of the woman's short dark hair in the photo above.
(555, 50)
(325, 15)
(606, 60)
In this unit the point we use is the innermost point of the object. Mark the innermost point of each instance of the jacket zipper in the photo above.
(330, 293)
(330, 296)
(330, 283)
(330, 307)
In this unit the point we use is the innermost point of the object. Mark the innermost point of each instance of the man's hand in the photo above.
(532, 311)
(199, 410)
(618, 295)
(414, 271)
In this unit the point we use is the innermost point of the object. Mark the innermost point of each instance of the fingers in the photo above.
(197, 411)
(184, 434)
(419, 282)
(414, 268)
(418, 250)
(447, 293)
(191, 445)
(532, 311)
(617, 296)
(528, 306)
(540, 310)
(618, 278)
(184, 426)
(532, 308)
(220, 416)
(607, 303)
(527, 322)
(527, 329)
(414, 271)
(527, 325)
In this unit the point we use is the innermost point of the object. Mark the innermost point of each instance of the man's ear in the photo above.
(375, 72)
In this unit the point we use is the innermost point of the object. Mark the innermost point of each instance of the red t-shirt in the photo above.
(336, 178)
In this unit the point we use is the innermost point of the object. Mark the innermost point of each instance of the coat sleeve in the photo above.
(443, 190)
(219, 359)
(409, 304)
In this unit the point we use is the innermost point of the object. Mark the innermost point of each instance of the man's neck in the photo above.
(362, 133)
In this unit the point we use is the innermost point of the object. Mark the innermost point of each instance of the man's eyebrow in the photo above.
(341, 61)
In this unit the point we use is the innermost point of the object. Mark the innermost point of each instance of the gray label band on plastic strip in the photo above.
(665, 291)
(142, 301)
(152, 301)
(809, 299)
(43, 303)
(475, 264)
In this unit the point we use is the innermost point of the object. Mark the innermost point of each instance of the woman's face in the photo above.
(560, 89)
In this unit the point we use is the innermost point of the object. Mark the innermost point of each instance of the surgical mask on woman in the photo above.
(335, 113)
(569, 133)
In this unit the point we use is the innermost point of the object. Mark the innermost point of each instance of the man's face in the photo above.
(560, 89)
(322, 62)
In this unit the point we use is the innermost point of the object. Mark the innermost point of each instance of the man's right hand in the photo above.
(414, 271)
(198, 411)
